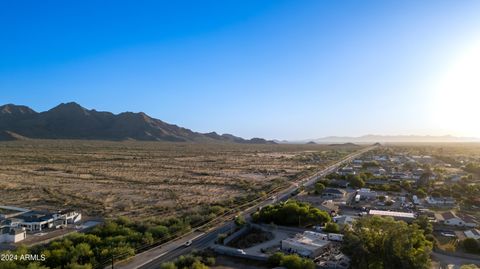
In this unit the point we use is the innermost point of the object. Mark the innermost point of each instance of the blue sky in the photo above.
(273, 69)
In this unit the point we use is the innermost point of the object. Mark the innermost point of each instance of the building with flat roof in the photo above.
(10, 211)
(39, 220)
(405, 216)
(333, 193)
(9, 234)
(309, 244)
(460, 220)
(473, 233)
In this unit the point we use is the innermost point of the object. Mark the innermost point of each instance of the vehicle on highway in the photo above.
(188, 243)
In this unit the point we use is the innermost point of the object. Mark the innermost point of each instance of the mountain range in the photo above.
(72, 121)
(392, 139)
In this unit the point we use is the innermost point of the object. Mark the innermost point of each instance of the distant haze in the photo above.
(388, 139)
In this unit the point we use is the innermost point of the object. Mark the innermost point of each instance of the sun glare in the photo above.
(456, 100)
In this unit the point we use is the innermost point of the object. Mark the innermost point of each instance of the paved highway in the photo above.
(152, 259)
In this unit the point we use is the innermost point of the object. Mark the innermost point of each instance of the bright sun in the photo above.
(456, 101)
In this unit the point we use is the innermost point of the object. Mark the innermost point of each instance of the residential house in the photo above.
(40, 220)
(9, 234)
(366, 194)
(333, 193)
(441, 201)
(344, 220)
(452, 219)
(347, 170)
(473, 233)
(329, 206)
(339, 183)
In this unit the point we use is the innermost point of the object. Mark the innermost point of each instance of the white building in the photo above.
(415, 200)
(347, 170)
(309, 244)
(38, 221)
(344, 220)
(452, 219)
(8, 234)
(405, 216)
(473, 233)
(367, 194)
(12, 235)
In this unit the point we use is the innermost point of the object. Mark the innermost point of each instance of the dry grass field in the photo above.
(141, 179)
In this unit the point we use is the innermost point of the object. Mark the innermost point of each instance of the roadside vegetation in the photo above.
(252, 238)
(114, 240)
(290, 261)
(192, 261)
(292, 213)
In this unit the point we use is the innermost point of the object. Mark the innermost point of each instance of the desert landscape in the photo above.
(143, 179)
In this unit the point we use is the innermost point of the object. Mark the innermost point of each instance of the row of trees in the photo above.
(291, 213)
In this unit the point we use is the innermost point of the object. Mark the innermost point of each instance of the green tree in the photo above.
(424, 223)
(295, 262)
(376, 242)
(471, 245)
(319, 187)
(198, 265)
(332, 227)
(275, 259)
(240, 220)
(356, 181)
(292, 213)
(421, 193)
(168, 265)
(469, 266)
(424, 180)
(159, 231)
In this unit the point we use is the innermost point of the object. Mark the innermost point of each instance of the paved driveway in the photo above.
(452, 262)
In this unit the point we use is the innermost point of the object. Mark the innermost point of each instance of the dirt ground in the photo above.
(235, 263)
(141, 179)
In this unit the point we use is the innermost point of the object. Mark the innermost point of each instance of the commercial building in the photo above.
(309, 244)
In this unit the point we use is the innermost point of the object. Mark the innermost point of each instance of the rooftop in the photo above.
(309, 240)
(35, 216)
(392, 214)
(332, 190)
(448, 215)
